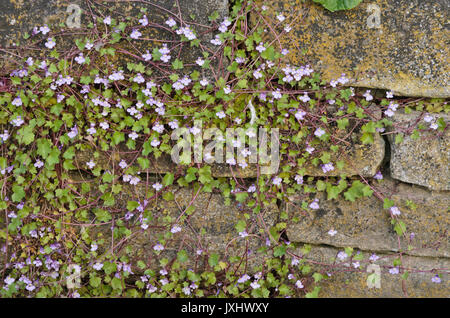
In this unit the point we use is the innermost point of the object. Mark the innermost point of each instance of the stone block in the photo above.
(347, 282)
(210, 227)
(365, 225)
(424, 161)
(397, 45)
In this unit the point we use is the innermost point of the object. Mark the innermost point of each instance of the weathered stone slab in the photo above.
(352, 283)
(424, 161)
(359, 159)
(2, 241)
(364, 224)
(20, 17)
(399, 45)
(210, 227)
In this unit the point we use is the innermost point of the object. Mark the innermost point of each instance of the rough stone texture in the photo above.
(163, 164)
(424, 161)
(364, 224)
(358, 159)
(18, 17)
(210, 214)
(353, 284)
(407, 51)
(2, 241)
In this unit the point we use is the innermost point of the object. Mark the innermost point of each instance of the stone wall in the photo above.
(397, 45)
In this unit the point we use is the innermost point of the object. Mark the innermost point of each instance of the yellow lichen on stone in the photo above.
(407, 53)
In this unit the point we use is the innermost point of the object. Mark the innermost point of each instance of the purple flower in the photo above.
(395, 211)
(158, 247)
(175, 229)
(342, 255)
(97, 266)
(332, 232)
(171, 22)
(30, 287)
(260, 48)
(314, 205)
(255, 285)
(319, 132)
(378, 176)
(9, 280)
(73, 132)
(436, 279)
(394, 270)
(243, 279)
(327, 167)
(50, 43)
(17, 101)
(243, 234)
(277, 181)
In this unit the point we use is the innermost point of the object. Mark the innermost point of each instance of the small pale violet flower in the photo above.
(97, 266)
(394, 270)
(299, 284)
(251, 188)
(243, 234)
(50, 43)
(17, 101)
(175, 229)
(428, 118)
(134, 180)
(243, 279)
(155, 143)
(327, 167)
(135, 34)
(143, 21)
(298, 179)
(368, 96)
(319, 132)
(220, 114)
(123, 164)
(171, 22)
(38, 164)
(378, 176)
(90, 164)
(436, 279)
(281, 17)
(80, 59)
(314, 205)
(158, 247)
(395, 210)
(332, 232)
(255, 285)
(9, 280)
(342, 255)
(277, 181)
(260, 48)
(147, 56)
(44, 29)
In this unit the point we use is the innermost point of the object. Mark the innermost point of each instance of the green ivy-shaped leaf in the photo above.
(335, 5)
